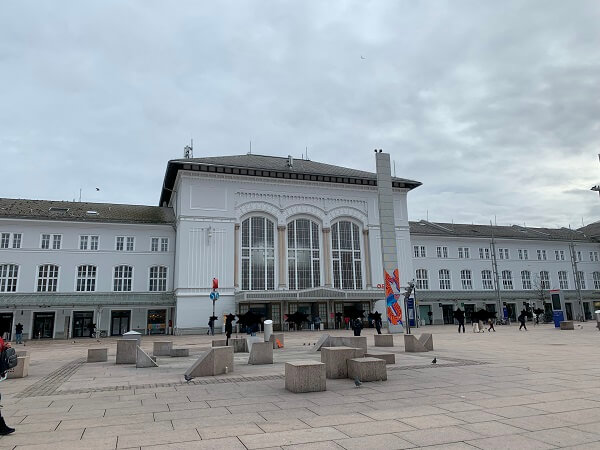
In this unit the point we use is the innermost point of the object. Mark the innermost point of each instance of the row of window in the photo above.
(86, 242)
(85, 280)
(506, 278)
(420, 251)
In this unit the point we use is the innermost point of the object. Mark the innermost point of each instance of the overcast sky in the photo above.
(493, 105)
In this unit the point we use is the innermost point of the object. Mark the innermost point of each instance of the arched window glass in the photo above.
(346, 255)
(47, 280)
(86, 278)
(158, 279)
(304, 269)
(258, 254)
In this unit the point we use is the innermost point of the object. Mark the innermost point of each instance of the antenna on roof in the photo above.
(427, 215)
(394, 168)
(188, 150)
(250, 147)
(307, 153)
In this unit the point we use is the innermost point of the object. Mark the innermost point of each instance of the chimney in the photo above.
(290, 162)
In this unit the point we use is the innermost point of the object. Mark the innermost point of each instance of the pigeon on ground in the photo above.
(188, 378)
(357, 382)
(434, 361)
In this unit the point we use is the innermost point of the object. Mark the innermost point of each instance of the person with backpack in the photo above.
(357, 326)
(8, 360)
(19, 333)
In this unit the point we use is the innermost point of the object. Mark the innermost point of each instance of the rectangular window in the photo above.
(503, 253)
(523, 254)
(45, 242)
(578, 256)
(507, 279)
(541, 255)
(463, 252)
(154, 245)
(422, 279)
(130, 241)
(86, 279)
(484, 253)
(559, 255)
(94, 242)
(445, 279)
(120, 246)
(544, 280)
(596, 276)
(17, 240)
(594, 256)
(9, 274)
(416, 252)
(56, 241)
(123, 276)
(164, 244)
(442, 252)
(47, 278)
(83, 242)
(158, 279)
(486, 279)
(581, 280)
(466, 280)
(4, 240)
(563, 281)
(526, 279)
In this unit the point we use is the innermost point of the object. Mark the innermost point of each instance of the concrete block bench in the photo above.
(97, 355)
(216, 361)
(143, 360)
(389, 358)
(219, 343)
(162, 348)
(305, 376)
(567, 325)
(384, 340)
(367, 369)
(126, 351)
(423, 344)
(261, 353)
(240, 345)
(179, 352)
(427, 340)
(348, 341)
(276, 337)
(21, 370)
(336, 360)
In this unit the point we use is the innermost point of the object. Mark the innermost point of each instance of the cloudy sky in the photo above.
(494, 106)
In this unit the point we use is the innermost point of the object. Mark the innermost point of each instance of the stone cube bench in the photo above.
(567, 325)
(219, 343)
(384, 340)
(216, 361)
(126, 351)
(240, 345)
(389, 358)
(162, 348)
(423, 344)
(143, 360)
(336, 360)
(97, 355)
(367, 369)
(21, 370)
(179, 352)
(261, 353)
(305, 376)
(276, 337)
(347, 341)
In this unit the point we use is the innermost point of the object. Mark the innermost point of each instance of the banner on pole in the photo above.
(392, 298)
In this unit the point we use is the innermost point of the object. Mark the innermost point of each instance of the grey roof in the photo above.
(426, 228)
(276, 167)
(84, 211)
(593, 230)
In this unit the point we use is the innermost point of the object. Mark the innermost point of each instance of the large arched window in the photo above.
(258, 254)
(47, 280)
(304, 269)
(9, 274)
(346, 255)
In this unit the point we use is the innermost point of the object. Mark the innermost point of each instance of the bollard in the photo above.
(268, 327)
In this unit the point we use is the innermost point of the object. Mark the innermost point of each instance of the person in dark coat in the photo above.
(378, 324)
(521, 318)
(460, 316)
(4, 429)
(211, 326)
(228, 330)
(92, 329)
(357, 326)
(19, 333)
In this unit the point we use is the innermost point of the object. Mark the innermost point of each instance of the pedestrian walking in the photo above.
(491, 324)
(459, 315)
(357, 326)
(211, 326)
(347, 322)
(378, 323)
(228, 330)
(4, 429)
(430, 315)
(19, 333)
(521, 318)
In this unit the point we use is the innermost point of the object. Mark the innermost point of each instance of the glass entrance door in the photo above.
(119, 321)
(6, 322)
(43, 325)
(448, 313)
(81, 323)
(569, 310)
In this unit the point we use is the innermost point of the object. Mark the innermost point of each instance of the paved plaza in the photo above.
(506, 390)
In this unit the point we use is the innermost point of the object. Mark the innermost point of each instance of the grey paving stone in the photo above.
(149, 438)
(283, 438)
(371, 428)
(210, 444)
(492, 428)
(510, 442)
(438, 436)
(562, 437)
(387, 441)
(434, 421)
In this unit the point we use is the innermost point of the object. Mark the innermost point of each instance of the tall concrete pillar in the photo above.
(368, 277)
(327, 256)
(389, 255)
(282, 243)
(236, 253)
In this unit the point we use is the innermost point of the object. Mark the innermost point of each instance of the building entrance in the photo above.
(424, 315)
(157, 321)
(43, 325)
(448, 314)
(119, 322)
(6, 322)
(569, 310)
(81, 323)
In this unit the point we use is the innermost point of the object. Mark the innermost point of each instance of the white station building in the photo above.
(281, 235)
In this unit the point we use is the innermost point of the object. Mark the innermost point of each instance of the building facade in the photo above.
(280, 235)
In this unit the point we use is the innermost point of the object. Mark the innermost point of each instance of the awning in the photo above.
(48, 299)
(310, 295)
(506, 295)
